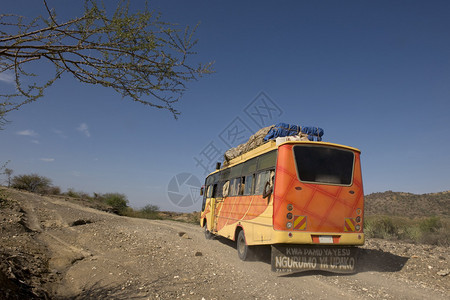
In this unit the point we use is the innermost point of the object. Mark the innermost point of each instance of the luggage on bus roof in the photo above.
(270, 133)
(284, 129)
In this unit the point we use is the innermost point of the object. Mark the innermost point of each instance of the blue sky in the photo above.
(374, 75)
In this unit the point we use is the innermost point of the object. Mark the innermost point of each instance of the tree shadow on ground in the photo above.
(127, 290)
(98, 291)
(369, 260)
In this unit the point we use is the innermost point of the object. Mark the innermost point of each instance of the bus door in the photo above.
(212, 194)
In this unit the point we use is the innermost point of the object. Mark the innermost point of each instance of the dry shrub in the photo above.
(431, 230)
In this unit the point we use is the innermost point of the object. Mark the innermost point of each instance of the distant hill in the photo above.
(408, 205)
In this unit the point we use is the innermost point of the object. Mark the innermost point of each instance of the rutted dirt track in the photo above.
(75, 252)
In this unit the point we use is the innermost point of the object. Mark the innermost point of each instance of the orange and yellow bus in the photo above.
(303, 198)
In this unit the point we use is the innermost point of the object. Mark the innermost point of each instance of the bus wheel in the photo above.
(208, 234)
(244, 251)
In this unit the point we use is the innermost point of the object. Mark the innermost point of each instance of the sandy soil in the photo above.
(51, 248)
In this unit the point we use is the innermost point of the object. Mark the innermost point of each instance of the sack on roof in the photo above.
(265, 134)
(254, 141)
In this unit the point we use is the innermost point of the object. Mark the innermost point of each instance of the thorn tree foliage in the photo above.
(136, 54)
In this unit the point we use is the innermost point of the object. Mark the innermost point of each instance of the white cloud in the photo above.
(60, 133)
(84, 129)
(48, 159)
(7, 77)
(35, 142)
(27, 132)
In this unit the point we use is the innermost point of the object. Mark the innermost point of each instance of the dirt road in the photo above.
(92, 254)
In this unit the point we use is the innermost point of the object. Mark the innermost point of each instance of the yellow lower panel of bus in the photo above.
(259, 231)
(323, 238)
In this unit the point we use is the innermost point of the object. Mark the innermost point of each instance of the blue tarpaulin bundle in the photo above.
(284, 129)
(314, 133)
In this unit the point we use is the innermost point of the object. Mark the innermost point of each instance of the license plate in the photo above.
(295, 258)
(325, 239)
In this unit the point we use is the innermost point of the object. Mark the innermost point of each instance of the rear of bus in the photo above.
(318, 205)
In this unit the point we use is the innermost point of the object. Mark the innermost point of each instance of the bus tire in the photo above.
(208, 234)
(244, 251)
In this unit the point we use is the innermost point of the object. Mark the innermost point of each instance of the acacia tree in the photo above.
(118, 201)
(8, 172)
(31, 182)
(136, 54)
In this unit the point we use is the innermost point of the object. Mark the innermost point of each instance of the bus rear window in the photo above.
(327, 165)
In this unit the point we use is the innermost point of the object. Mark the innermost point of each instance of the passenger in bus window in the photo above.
(226, 189)
(242, 186)
(263, 178)
(268, 186)
(272, 178)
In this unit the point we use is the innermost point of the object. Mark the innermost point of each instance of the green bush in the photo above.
(434, 232)
(431, 224)
(119, 202)
(54, 190)
(147, 212)
(150, 209)
(32, 183)
(79, 194)
(380, 227)
(71, 193)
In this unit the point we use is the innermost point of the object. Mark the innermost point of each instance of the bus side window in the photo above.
(214, 191)
(219, 189)
(234, 186)
(261, 179)
(209, 191)
(248, 189)
(204, 202)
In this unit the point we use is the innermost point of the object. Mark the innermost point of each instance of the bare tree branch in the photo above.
(136, 54)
